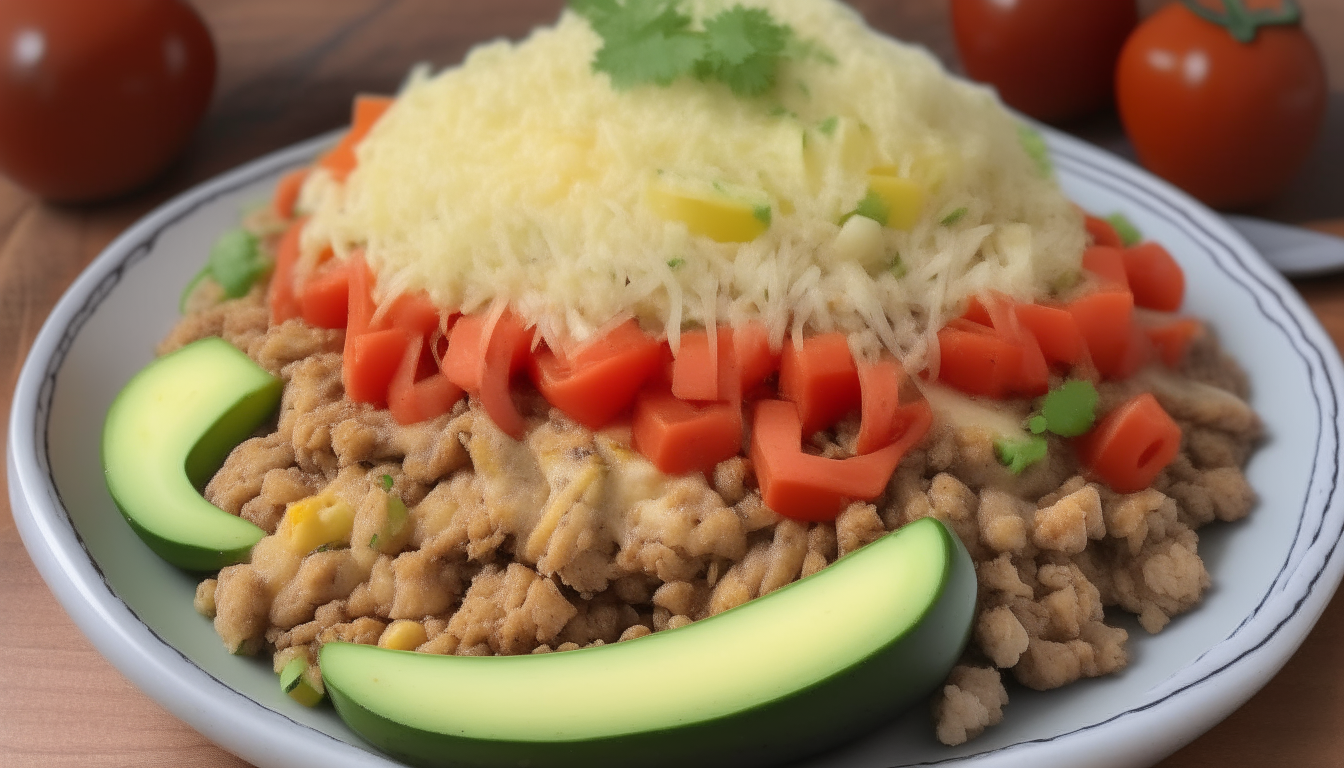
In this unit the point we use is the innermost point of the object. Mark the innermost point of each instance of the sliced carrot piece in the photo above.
(370, 361)
(820, 378)
(281, 297)
(484, 365)
(695, 372)
(751, 349)
(1108, 264)
(1106, 321)
(1157, 281)
(1131, 444)
(879, 414)
(360, 311)
(1033, 374)
(1055, 330)
(806, 487)
(418, 391)
(324, 300)
(602, 379)
(415, 312)
(680, 437)
(978, 362)
(976, 312)
(1171, 341)
(287, 192)
(464, 360)
(341, 159)
(1102, 232)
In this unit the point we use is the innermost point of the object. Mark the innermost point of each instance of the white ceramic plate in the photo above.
(1273, 573)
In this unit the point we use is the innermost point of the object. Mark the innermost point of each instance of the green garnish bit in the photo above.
(675, 263)
(762, 214)
(828, 126)
(323, 548)
(652, 42)
(897, 267)
(872, 206)
(954, 217)
(386, 481)
(780, 111)
(236, 262)
(373, 542)
(1033, 143)
(1129, 234)
(1069, 410)
(1017, 455)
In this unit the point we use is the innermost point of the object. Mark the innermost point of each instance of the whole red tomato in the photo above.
(1052, 59)
(1229, 121)
(96, 96)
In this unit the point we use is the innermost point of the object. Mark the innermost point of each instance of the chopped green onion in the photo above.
(1129, 234)
(953, 217)
(1017, 455)
(1069, 410)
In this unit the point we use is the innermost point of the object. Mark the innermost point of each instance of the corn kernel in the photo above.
(403, 635)
(315, 521)
(720, 212)
(904, 198)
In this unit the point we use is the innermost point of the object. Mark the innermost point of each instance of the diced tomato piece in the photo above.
(1108, 264)
(1157, 281)
(680, 437)
(1055, 330)
(370, 361)
(1171, 340)
(415, 312)
(325, 297)
(601, 380)
(1130, 445)
(978, 362)
(820, 379)
(484, 365)
(1106, 321)
(281, 297)
(287, 192)
(418, 391)
(1102, 232)
(811, 488)
(341, 160)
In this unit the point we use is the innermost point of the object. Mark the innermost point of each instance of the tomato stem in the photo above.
(1242, 22)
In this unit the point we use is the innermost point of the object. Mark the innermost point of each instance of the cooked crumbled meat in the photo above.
(569, 539)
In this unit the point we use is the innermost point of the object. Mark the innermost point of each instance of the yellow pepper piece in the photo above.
(315, 521)
(720, 212)
(904, 198)
(403, 635)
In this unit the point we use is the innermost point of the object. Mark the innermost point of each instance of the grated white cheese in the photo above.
(520, 176)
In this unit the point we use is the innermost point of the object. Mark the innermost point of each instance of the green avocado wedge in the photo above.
(790, 674)
(167, 432)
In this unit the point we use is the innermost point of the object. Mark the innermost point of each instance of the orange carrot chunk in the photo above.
(751, 352)
(601, 380)
(882, 417)
(483, 360)
(287, 192)
(1157, 281)
(370, 361)
(1131, 445)
(820, 378)
(1033, 374)
(281, 297)
(341, 159)
(680, 437)
(1102, 232)
(812, 488)
(977, 362)
(1106, 321)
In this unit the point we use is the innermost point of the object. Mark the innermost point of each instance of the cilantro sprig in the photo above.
(654, 42)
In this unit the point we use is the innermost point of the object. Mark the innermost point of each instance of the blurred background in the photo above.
(287, 70)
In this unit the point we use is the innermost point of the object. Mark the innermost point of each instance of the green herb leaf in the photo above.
(1069, 410)
(872, 206)
(762, 214)
(953, 217)
(1033, 143)
(1129, 234)
(236, 262)
(386, 481)
(675, 263)
(651, 41)
(828, 126)
(373, 542)
(1017, 455)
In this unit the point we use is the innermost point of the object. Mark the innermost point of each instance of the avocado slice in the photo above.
(789, 674)
(167, 432)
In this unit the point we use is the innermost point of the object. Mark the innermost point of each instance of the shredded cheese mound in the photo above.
(523, 177)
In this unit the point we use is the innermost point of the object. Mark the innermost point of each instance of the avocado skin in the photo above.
(251, 409)
(803, 723)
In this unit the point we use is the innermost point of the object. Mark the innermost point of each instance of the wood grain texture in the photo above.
(287, 71)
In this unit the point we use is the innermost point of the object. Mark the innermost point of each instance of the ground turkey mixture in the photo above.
(569, 538)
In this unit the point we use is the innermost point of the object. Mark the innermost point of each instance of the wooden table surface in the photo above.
(288, 69)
